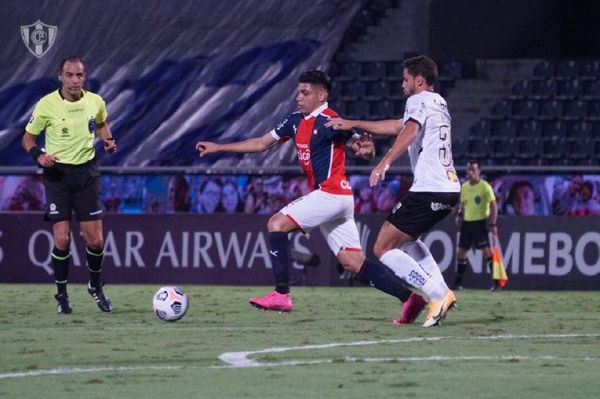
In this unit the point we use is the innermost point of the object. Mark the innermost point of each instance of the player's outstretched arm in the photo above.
(257, 144)
(388, 127)
(405, 138)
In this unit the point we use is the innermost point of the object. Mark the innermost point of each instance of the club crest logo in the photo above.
(38, 37)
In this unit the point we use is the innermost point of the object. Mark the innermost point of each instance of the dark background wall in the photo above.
(469, 29)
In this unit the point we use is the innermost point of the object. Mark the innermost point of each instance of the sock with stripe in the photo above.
(94, 260)
(60, 263)
(281, 257)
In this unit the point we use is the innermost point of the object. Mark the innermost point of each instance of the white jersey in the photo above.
(431, 152)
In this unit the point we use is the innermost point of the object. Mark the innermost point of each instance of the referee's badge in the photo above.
(38, 37)
(92, 125)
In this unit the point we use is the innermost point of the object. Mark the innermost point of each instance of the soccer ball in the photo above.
(170, 303)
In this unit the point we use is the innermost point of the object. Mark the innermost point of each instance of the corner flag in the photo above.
(498, 270)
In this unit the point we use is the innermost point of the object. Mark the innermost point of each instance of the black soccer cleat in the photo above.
(102, 301)
(63, 304)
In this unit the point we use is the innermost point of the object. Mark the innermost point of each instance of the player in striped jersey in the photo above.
(330, 206)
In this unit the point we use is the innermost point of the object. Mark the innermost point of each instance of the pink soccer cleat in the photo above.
(273, 301)
(411, 309)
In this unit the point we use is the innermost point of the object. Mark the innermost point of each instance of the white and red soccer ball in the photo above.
(170, 303)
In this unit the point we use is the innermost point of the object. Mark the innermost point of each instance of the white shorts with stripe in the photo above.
(332, 213)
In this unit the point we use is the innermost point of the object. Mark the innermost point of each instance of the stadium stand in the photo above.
(161, 107)
(557, 108)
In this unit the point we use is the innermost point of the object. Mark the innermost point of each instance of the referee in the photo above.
(477, 205)
(71, 117)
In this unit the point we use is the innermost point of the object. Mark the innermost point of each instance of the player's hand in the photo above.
(206, 147)
(47, 160)
(340, 124)
(378, 174)
(366, 146)
(110, 145)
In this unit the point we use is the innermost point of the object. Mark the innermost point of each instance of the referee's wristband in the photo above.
(35, 152)
(492, 224)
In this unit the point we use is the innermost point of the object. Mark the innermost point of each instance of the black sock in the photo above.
(461, 268)
(490, 265)
(281, 257)
(94, 260)
(383, 278)
(60, 262)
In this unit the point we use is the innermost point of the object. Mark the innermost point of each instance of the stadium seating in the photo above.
(525, 109)
(590, 69)
(374, 71)
(553, 118)
(379, 84)
(550, 110)
(575, 110)
(520, 90)
(504, 109)
(530, 129)
(382, 109)
(482, 129)
(580, 130)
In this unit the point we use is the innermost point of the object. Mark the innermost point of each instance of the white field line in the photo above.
(240, 359)
(82, 370)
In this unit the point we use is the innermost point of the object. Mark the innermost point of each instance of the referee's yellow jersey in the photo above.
(70, 126)
(476, 200)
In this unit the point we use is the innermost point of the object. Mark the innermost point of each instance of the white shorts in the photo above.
(332, 213)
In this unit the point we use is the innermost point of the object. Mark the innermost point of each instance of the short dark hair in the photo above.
(316, 78)
(474, 162)
(70, 59)
(424, 66)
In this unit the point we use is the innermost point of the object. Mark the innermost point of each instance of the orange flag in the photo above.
(498, 270)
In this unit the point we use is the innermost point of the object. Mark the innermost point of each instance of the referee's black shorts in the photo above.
(73, 188)
(418, 212)
(474, 234)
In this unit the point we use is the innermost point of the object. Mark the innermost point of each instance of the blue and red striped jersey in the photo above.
(321, 150)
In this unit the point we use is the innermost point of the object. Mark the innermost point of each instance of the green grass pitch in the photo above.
(337, 343)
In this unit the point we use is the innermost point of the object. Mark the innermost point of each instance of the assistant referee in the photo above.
(477, 207)
(71, 118)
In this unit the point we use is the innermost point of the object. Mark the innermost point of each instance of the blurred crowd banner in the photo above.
(539, 252)
(520, 195)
